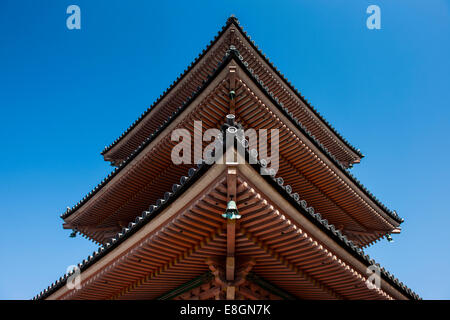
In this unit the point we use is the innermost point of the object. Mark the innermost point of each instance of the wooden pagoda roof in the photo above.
(179, 247)
(193, 77)
(340, 197)
(176, 238)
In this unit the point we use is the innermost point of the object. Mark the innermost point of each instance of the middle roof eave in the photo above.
(232, 55)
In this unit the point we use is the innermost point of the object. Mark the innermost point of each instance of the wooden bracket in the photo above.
(229, 287)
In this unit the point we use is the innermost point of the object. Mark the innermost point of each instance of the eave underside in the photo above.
(176, 245)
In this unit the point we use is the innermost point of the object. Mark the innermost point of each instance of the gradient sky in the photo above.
(65, 94)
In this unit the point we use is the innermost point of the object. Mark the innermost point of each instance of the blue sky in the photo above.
(65, 94)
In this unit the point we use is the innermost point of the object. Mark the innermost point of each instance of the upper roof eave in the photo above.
(233, 21)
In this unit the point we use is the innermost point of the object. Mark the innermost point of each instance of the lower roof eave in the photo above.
(311, 221)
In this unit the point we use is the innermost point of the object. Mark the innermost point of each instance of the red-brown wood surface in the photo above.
(283, 253)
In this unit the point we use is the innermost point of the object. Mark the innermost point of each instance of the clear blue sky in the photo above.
(65, 94)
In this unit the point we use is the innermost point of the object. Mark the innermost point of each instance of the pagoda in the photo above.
(236, 229)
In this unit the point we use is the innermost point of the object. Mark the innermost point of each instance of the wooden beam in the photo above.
(231, 226)
(230, 267)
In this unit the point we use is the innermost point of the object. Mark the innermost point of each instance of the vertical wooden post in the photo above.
(231, 233)
(230, 265)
